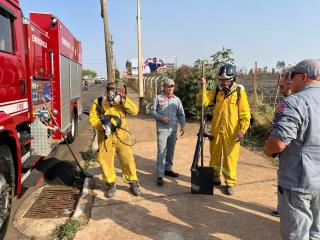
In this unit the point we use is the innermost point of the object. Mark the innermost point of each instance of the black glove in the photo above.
(107, 125)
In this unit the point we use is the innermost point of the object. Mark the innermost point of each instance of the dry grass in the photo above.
(260, 130)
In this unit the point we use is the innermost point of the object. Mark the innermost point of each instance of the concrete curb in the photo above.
(82, 212)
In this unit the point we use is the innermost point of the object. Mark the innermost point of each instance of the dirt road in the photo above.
(171, 212)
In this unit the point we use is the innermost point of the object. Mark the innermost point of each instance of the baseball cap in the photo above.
(286, 71)
(168, 82)
(310, 67)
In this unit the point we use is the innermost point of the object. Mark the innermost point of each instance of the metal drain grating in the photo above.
(54, 201)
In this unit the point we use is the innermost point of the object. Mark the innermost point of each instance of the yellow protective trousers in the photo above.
(107, 150)
(223, 148)
(112, 145)
(231, 115)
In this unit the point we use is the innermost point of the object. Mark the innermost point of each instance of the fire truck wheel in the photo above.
(74, 129)
(7, 178)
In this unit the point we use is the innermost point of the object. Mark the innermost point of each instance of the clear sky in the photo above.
(263, 31)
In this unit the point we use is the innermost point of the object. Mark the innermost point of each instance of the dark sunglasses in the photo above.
(295, 73)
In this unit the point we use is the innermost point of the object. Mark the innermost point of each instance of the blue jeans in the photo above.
(299, 214)
(166, 143)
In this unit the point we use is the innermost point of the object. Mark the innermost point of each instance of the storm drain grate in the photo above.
(54, 201)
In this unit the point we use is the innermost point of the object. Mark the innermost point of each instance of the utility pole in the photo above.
(140, 78)
(104, 15)
(112, 58)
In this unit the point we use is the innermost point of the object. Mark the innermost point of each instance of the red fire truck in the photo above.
(40, 93)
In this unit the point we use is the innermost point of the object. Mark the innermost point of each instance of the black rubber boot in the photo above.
(111, 189)
(229, 190)
(171, 174)
(160, 181)
(134, 188)
(275, 213)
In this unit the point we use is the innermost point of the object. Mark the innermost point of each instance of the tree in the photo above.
(129, 67)
(217, 60)
(187, 79)
(117, 74)
(187, 87)
(280, 65)
(89, 73)
(265, 70)
(221, 57)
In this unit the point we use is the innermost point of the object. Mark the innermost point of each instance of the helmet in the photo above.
(227, 72)
(286, 72)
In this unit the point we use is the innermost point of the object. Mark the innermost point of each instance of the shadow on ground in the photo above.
(171, 212)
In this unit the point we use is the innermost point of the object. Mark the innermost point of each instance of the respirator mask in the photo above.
(115, 94)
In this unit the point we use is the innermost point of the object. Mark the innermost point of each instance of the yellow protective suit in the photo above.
(108, 147)
(229, 117)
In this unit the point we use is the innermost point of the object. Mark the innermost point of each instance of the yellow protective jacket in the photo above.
(231, 114)
(118, 110)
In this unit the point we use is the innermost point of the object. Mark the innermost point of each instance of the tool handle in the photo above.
(195, 162)
(202, 114)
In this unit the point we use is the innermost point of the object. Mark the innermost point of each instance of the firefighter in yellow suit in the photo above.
(231, 120)
(116, 103)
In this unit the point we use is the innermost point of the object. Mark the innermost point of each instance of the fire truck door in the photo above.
(12, 73)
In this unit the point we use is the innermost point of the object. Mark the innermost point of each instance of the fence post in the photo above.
(155, 85)
(254, 97)
(276, 98)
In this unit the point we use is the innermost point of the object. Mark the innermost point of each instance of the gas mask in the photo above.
(113, 96)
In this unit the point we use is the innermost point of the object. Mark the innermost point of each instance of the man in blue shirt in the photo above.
(296, 137)
(167, 109)
(154, 65)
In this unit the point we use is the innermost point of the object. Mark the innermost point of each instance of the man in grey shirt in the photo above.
(296, 136)
(168, 111)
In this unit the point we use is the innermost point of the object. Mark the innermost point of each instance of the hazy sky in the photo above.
(262, 31)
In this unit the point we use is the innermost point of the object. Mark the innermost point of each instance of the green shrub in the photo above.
(68, 230)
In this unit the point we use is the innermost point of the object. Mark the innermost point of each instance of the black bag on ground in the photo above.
(202, 178)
